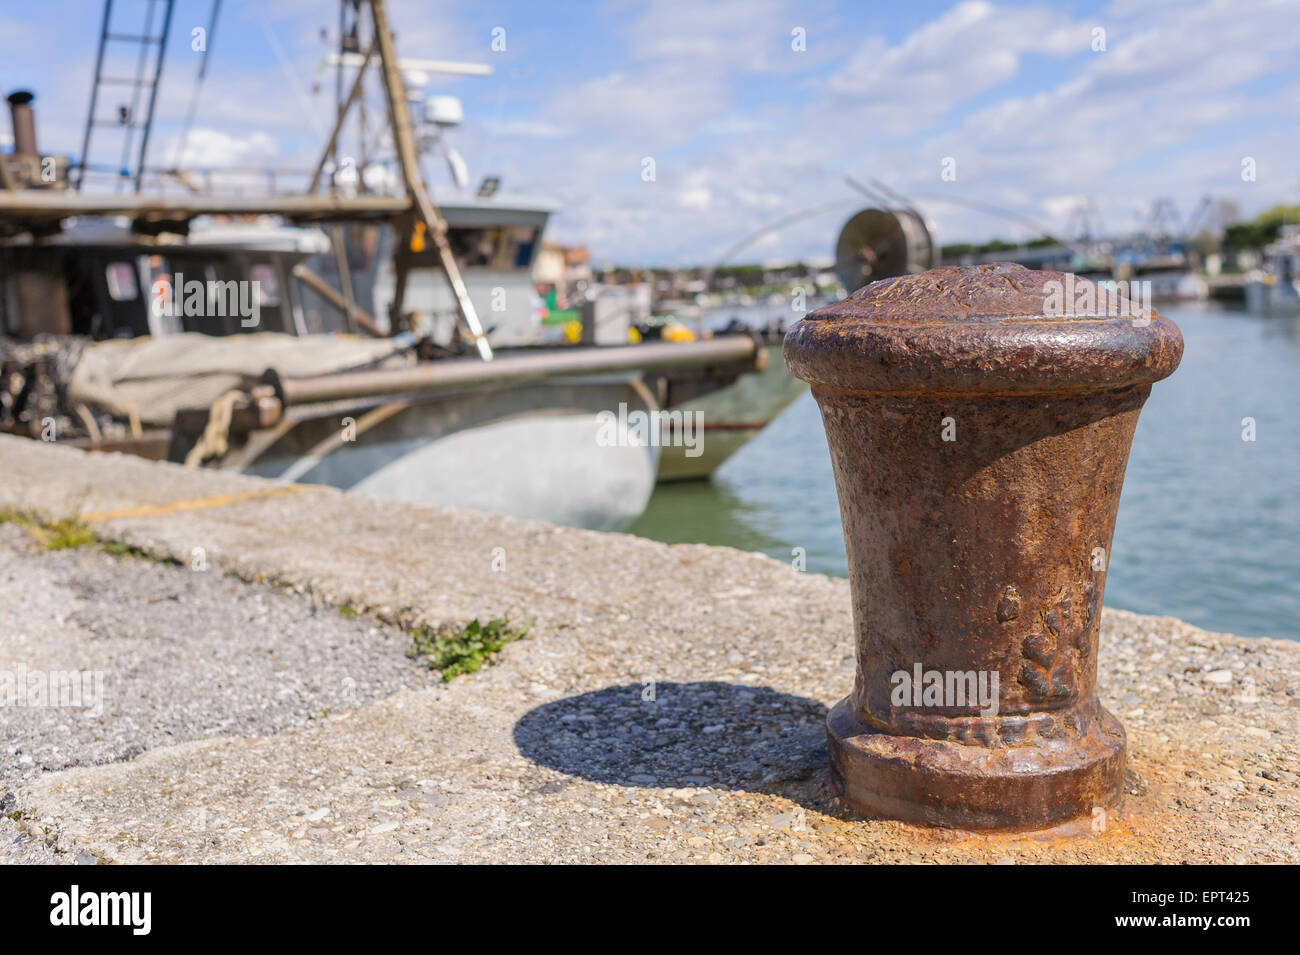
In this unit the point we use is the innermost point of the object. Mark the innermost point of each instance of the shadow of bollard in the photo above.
(712, 734)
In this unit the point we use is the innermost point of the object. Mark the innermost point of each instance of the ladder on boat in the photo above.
(148, 73)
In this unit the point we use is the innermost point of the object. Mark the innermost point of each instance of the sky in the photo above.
(753, 112)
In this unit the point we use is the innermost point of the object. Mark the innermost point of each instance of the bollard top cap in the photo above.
(987, 329)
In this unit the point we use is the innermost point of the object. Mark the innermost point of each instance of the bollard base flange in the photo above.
(941, 783)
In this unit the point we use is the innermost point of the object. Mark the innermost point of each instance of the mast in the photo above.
(403, 138)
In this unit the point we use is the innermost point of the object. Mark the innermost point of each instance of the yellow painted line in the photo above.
(193, 504)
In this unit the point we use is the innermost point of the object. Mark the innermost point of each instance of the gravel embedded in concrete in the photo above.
(183, 655)
(173, 655)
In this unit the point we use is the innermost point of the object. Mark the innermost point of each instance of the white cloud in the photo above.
(973, 47)
(214, 149)
(695, 197)
(743, 36)
(1060, 206)
(527, 128)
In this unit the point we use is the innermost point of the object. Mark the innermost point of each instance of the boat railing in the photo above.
(206, 181)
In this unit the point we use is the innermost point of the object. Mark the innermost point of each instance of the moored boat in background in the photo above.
(1274, 289)
(227, 331)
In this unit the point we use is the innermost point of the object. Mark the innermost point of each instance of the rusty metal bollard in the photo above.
(979, 422)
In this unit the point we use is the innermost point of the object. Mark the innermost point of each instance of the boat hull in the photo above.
(1272, 298)
(541, 451)
(727, 419)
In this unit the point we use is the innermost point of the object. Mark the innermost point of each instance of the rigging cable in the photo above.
(179, 151)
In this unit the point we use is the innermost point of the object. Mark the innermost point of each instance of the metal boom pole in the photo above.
(406, 154)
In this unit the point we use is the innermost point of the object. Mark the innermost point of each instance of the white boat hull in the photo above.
(535, 451)
(1272, 297)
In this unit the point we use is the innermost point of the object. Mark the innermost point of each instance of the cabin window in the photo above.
(519, 246)
(500, 249)
(122, 283)
(268, 285)
(474, 248)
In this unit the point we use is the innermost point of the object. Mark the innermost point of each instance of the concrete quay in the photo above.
(667, 704)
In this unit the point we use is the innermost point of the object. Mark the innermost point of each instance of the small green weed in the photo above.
(62, 534)
(467, 649)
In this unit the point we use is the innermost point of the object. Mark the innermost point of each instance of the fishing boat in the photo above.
(232, 331)
(1274, 289)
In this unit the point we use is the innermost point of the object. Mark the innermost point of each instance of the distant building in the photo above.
(562, 266)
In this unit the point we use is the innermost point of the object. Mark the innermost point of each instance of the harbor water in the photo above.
(1209, 522)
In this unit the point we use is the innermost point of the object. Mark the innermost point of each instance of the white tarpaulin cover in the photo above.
(155, 377)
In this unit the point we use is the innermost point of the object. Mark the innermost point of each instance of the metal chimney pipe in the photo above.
(24, 123)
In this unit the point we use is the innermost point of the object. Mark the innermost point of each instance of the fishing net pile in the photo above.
(65, 386)
(33, 386)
